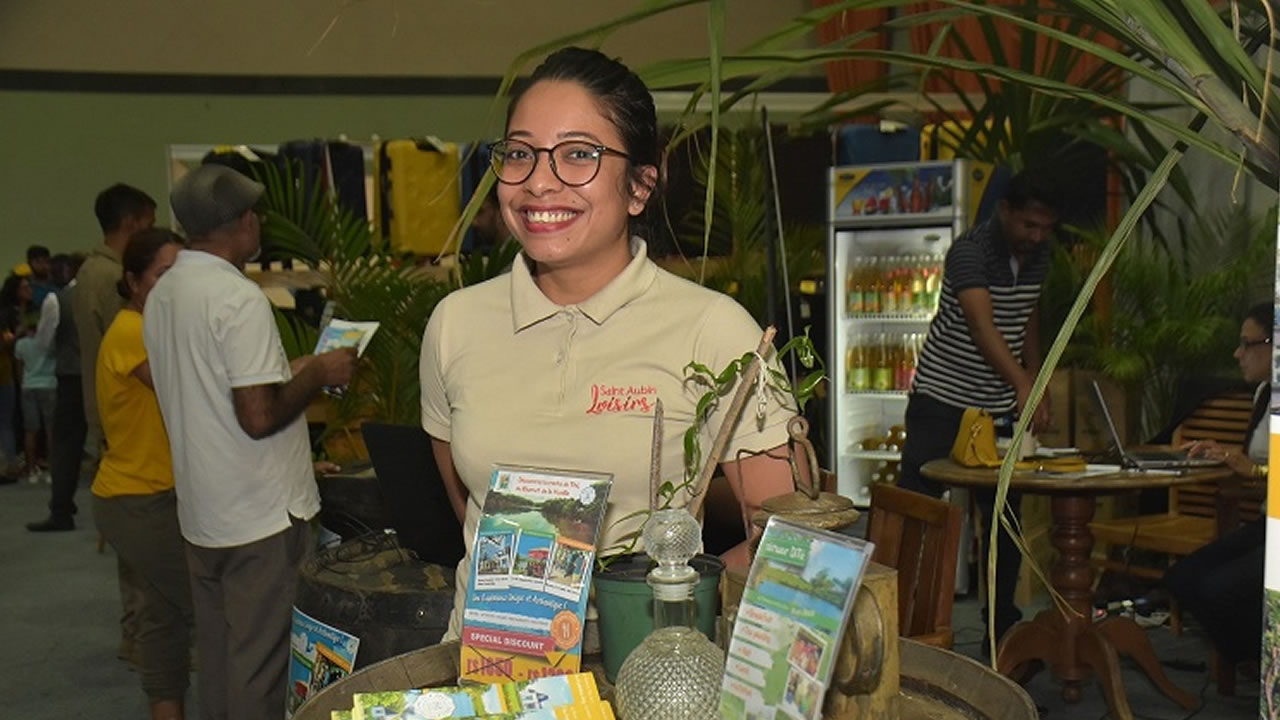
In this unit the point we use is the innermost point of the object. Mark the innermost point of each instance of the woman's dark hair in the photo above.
(9, 291)
(140, 252)
(1264, 314)
(623, 98)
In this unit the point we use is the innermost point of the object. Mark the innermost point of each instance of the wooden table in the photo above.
(1071, 644)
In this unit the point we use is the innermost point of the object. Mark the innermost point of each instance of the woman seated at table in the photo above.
(559, 362)
(1221, 583)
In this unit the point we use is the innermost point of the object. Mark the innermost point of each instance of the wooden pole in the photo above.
(745, 385)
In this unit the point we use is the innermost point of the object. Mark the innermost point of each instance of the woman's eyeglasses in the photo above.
(573, 162)
(1246, 344)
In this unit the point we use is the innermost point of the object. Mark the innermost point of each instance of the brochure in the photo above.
(785, 641)
(346, 333)
(514, 699)
(530, 571)
(319, 655)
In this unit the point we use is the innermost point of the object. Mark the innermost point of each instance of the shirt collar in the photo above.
(200, 257)
(106, 251)
(529, 306)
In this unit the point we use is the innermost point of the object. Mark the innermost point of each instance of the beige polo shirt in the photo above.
(510, 377)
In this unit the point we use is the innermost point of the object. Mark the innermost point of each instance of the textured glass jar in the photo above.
(675, 674)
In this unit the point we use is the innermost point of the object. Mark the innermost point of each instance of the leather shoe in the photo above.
(52, 524)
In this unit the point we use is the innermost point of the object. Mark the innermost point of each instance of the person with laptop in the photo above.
(983, 349)
(1221, 583)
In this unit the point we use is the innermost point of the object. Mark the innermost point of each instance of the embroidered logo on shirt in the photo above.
(622, 398)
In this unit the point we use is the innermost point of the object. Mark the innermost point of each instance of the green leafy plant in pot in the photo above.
(622, 597)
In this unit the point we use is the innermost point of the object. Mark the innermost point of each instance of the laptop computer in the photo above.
(1146, 459)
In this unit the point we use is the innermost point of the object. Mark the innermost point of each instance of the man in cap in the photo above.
(233, 408)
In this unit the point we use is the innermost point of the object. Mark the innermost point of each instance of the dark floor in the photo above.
(1187, 650)
(61, 605)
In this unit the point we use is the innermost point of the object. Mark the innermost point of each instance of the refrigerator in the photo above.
(890, 226)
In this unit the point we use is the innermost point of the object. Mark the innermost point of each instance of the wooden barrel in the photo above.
(936, 685)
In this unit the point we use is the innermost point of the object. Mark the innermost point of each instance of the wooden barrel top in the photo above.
(936, 684)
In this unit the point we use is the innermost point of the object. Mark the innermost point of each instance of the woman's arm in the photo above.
(1239, 462)
(453, 486)
(143, 373)
(755, 479)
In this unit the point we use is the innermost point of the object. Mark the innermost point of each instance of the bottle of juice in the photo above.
(849, 298)
(857, 275)
(912, 357)
(919, 301)
(882, 367)
(859, 371)
(888, 293)
(933, 283)
(903, 286)
(871, 286)
(848, 364)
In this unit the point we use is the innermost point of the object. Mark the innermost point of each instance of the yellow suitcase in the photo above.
(419, 196)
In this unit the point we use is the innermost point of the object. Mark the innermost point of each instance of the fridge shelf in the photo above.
(875, 455)
(889, 317)
(882, 394)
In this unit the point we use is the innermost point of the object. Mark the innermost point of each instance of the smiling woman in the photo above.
(559, 363)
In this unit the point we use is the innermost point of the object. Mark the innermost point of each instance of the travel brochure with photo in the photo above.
(346, 333)
(530, 573)
(319, 655)
(784, 644)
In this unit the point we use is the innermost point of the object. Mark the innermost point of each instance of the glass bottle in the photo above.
(859, 366)
(872, 286)
(675, 674)
(882, 365)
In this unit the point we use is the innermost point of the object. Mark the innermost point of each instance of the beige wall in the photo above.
(64, 147)
(364, 37)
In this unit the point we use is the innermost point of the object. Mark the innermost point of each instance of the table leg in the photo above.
(1072, 576)
(1038, 639)
(1130, 640)
(1084, 647)
(1097, 653)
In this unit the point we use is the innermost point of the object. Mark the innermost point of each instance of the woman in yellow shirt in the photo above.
(134, 503)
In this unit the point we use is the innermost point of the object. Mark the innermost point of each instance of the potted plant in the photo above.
(622, 598)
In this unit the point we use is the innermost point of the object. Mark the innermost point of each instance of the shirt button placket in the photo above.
(562, 354)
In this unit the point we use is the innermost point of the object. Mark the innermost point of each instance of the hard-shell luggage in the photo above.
(419, 196)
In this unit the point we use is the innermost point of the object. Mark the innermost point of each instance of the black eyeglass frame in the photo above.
(1246, 344)
(600, 150)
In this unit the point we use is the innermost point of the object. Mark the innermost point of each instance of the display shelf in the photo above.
(937, 217)
(890, 455)
(881, 394)
(889, 317)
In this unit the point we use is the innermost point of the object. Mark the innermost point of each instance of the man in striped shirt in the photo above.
(983, 348)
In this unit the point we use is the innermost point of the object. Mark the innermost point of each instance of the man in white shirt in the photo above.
(233, 409)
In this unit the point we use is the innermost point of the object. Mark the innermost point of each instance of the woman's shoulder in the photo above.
(126, 325)
(694, 299)
(473, 302)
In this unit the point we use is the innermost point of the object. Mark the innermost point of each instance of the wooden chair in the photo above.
(1197, 513)
(918, 536)
(1192, 517)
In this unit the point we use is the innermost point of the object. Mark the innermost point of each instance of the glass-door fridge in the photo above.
(890, 228)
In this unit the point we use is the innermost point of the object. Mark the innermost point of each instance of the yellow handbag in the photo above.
(975, 444)
(975, 447)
